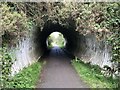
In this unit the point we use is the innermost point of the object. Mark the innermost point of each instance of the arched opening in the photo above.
(56, 39)
(41, 38)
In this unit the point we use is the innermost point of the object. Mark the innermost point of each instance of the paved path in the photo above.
(59, 73)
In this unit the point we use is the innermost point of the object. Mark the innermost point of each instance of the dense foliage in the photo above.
(27, 78)
(113, 24)
(13, 24)
(5, 68)
(101, 19)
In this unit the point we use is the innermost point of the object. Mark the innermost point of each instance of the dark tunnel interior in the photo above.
(40, 37)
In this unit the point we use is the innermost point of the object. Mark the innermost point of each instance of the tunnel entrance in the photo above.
(68, 33)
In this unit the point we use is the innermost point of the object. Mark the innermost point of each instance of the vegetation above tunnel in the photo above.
(101, 19)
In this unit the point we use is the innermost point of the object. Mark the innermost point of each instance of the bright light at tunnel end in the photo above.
(56, 39)
(55, 34)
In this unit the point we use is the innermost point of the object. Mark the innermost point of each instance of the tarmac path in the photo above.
(58, 72)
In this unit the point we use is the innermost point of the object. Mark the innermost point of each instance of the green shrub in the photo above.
(27, 78)
(14, 24)
(6, 63)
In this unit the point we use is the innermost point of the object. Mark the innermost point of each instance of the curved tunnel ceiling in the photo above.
(69, 34)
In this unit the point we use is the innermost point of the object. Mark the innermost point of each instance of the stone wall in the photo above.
(23, 55)
(93, 50)
(89, 49)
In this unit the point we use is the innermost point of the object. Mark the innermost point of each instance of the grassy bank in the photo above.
(27, 77)
(92, 76)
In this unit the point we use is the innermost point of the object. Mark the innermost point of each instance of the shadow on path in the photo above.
(58, 72)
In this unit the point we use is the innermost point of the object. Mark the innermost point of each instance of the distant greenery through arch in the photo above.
(56, 39)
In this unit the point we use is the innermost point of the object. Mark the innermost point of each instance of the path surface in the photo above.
(59, 73)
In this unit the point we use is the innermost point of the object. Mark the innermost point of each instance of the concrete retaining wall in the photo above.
(23, 55)
(94, 51)
(89, 49)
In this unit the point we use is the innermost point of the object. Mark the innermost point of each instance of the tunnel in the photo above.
(86, 47)
(69, 33)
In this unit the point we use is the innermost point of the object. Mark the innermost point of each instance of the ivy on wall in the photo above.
(102, 19)
(14, 25)
(113, 24)
(6, 63)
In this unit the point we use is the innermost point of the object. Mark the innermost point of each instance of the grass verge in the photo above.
(27, 77)
(92, 76)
